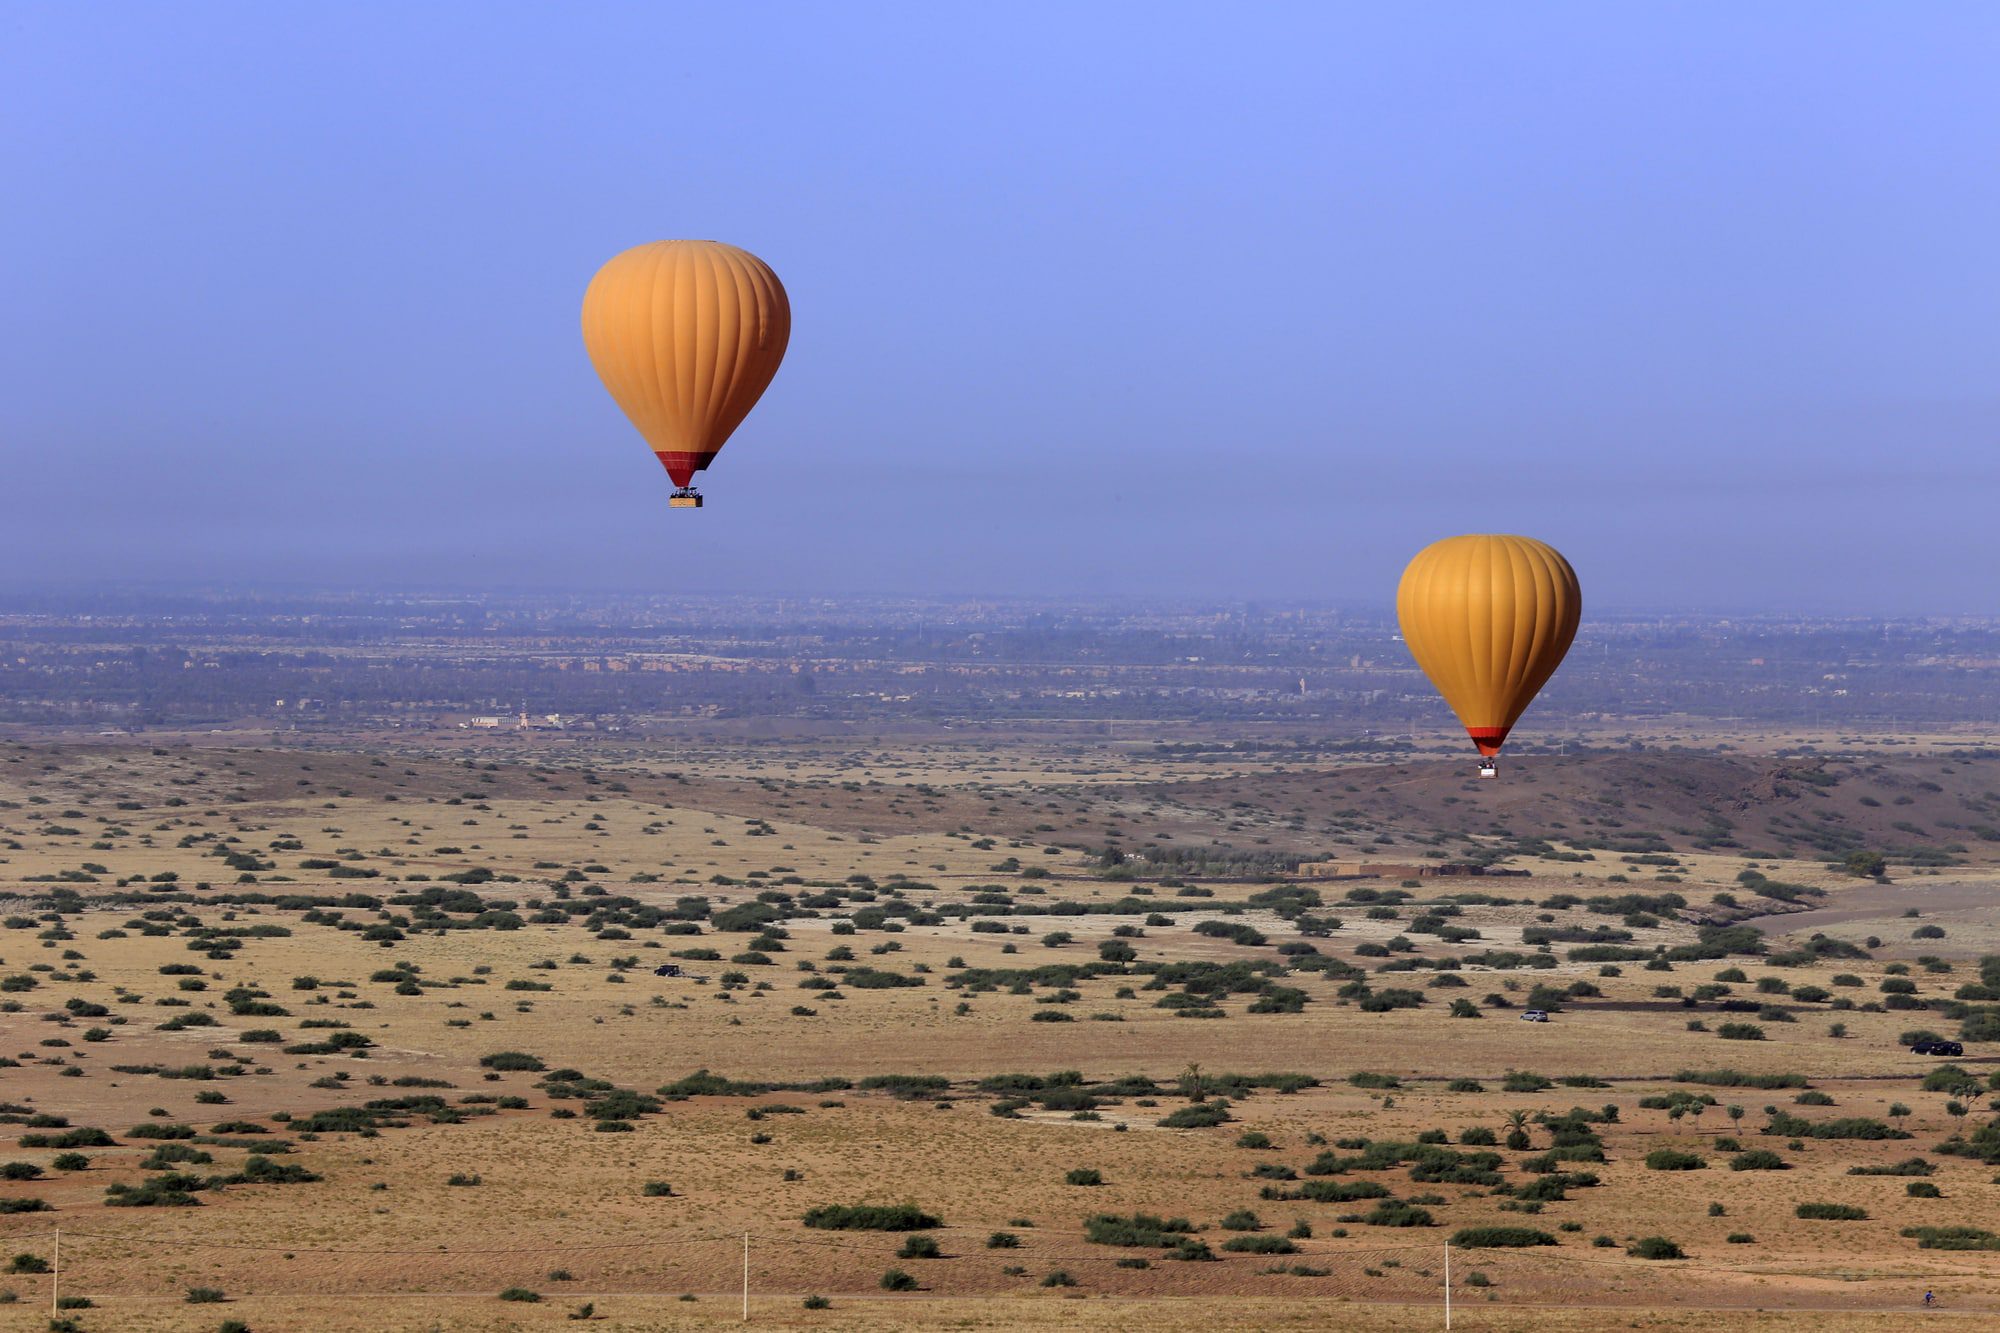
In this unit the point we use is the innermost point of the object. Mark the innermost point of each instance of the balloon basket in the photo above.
(685, 499)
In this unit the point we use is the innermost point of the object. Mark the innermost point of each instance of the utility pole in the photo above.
(746, 1277)
(1447, 1286)
(55, 1277)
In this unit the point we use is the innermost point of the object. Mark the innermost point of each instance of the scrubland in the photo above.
(991, 1035)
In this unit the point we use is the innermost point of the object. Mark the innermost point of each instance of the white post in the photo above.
(746, 1277)
(1447, 1286)
(55, 1277)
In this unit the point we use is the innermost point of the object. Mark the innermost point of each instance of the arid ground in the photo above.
(994, 1031)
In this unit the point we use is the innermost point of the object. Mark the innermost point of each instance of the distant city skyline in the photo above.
(1140, 300)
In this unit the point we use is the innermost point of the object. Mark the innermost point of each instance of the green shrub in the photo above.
(1849, 1127)
(1197, 1115)
(205, 1296)
(870, 1217)
(512, 1062)
(897, 1280)
(1138, 1230)
(1259, 1245)
(1952, 1238)
(1084, 1175)
(1655, 1247)
(1909, 1166)
(1666, 1159)
(920, 1247)
(1500, 1238)
(1395, 1213)
(1732, 1078)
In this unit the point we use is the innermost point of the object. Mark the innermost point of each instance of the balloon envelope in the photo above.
(686, 335)
(1488, 618)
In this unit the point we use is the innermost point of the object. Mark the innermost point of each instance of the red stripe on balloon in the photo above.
(682, 466)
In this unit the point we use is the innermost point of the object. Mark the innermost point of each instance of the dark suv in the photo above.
(1951, 1048)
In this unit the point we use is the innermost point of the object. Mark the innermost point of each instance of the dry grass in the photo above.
(343, 1253)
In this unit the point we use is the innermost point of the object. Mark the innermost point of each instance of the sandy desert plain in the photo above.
(368, 1035)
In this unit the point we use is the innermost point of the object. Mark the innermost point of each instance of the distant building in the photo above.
(485, 722)
(1390, 870)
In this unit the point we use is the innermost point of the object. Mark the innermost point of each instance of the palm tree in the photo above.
(1191, 1083)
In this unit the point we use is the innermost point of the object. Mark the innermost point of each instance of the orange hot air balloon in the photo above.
(1488, 619)
(686, 335)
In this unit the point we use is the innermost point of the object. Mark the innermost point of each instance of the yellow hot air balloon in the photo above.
(1488, 618)
(686, 335)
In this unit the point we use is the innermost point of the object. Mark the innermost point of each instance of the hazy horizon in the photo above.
(1126, 301)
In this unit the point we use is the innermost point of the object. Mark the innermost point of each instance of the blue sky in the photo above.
(1229, 301)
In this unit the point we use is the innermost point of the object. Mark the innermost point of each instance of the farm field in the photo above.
(1033, 1034)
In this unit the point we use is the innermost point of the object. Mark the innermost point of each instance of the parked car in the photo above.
(1534, 1015)
(667, 970)
(1950, 1048)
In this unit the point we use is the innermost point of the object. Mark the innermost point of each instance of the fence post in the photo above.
(1447, 1286)
(55, 1278)
(746, 1277)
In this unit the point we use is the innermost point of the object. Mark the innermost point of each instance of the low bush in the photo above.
(1197, 1115)
(512, 1062)
(1952, 1238)
(870, 1217)
(1733, 1078)
(1500, 1238)
(1909, 1166)
(1259, 1245)
(1830, 1212)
